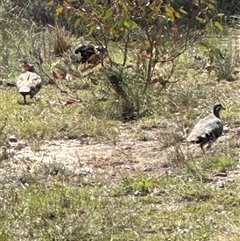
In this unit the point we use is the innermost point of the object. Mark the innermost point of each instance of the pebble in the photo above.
(225, 129)
(12, 138)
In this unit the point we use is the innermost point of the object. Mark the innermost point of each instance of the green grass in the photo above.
(184, 202)
(220, 163)
(48, 117)
(176, 208)
(181, 206)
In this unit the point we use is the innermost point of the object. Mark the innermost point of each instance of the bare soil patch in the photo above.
(86, 157)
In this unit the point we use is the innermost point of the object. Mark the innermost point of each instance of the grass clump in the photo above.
(48, 118)
(175, 207)
(220, 163)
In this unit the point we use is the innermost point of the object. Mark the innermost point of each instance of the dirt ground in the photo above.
(128, 153)
(88, 157)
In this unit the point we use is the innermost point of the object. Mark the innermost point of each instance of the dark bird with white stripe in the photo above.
(208, 129)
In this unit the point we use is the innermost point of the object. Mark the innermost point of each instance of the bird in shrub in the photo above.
(88, 54)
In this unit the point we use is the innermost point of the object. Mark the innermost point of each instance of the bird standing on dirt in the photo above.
(208, 129)
(28, 83)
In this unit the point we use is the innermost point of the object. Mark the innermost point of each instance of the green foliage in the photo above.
(48, 117)
(143, 61)
(148, 37)
(222, 54)
(220, 163)
(228, 63)
(137, 186)
(129, 87)
(28, 12)
(179, 208)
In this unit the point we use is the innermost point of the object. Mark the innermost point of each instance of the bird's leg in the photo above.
(201, 145)
(24, 100)
(209, 144)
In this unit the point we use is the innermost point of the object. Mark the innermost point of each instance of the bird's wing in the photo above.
(206, 126)
(28, 80)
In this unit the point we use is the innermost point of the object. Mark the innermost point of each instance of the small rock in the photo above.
(188, 198)
(149, 169)
(21, 145)
(225, 129)
(117, 163)
(207, 179)
(12, 138)
(238, 131)
(221, 174)
(166, 165)
(126, 147)
(158, 192)
(84, 171)
(220, 184)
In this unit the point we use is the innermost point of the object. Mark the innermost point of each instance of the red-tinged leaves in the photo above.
(144, 57)
(55, 75)
(154, 81)
(175, 29)
(158, 80)
(210, 68)
(70, 101)
(164, 60)
(63, 74)
(51, 82)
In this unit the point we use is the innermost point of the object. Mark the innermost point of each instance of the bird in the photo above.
(28, 83)
(208, 129)
(88, 53)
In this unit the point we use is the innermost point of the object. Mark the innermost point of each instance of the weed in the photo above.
(220, 163)
(137, 186)
(184, 208)
(177, 157)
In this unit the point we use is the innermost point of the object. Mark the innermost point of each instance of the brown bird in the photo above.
(208, 129)
(28, 83)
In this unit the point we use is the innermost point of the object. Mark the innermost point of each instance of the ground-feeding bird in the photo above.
(28, 83)
(208, 129)
(88, 53)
